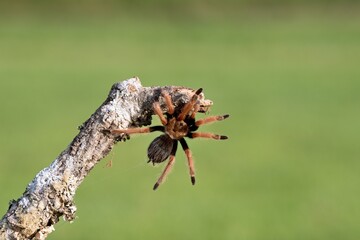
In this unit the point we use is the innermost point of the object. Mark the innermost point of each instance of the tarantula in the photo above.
(176, 126)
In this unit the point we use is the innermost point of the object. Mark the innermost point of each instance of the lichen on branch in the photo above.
(50, 195)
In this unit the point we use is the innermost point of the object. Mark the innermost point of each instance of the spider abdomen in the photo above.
(160, 148)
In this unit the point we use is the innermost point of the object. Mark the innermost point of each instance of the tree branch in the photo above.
(51, 193)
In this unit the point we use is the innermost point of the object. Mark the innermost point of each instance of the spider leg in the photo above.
(169, 104)
(189, 158)
(206, 135)
(158, 112)
(168, 167)
(196, 109)
(138, 130)
(189, 105)
(210, 119)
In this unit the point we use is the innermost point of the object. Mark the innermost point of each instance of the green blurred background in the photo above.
(287, 72)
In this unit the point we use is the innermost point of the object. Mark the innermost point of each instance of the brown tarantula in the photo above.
(176, 126)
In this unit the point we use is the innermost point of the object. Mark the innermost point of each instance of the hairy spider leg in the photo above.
(158, 112)
(168, 167)
(206, 135)
(210, 120)
(189, 158)
(189, 105)
(169, 104)
(139, 130)
(196, 109)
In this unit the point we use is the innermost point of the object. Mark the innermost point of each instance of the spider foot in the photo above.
(105, 131)
(117, 137)
(156, 186)
(193, 180)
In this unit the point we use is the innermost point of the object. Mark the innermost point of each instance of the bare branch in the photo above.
(51, 193)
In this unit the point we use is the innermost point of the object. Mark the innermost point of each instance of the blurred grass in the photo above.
(289, 79)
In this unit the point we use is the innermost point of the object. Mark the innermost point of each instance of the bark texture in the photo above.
(50, 194)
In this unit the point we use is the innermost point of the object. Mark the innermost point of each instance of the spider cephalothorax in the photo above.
(176, 126)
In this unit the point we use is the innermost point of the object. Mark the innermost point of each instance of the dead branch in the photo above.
(50, 194)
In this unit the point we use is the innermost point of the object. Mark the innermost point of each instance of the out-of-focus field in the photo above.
(290, 81)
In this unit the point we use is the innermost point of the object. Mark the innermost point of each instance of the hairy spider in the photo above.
(176, 126)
